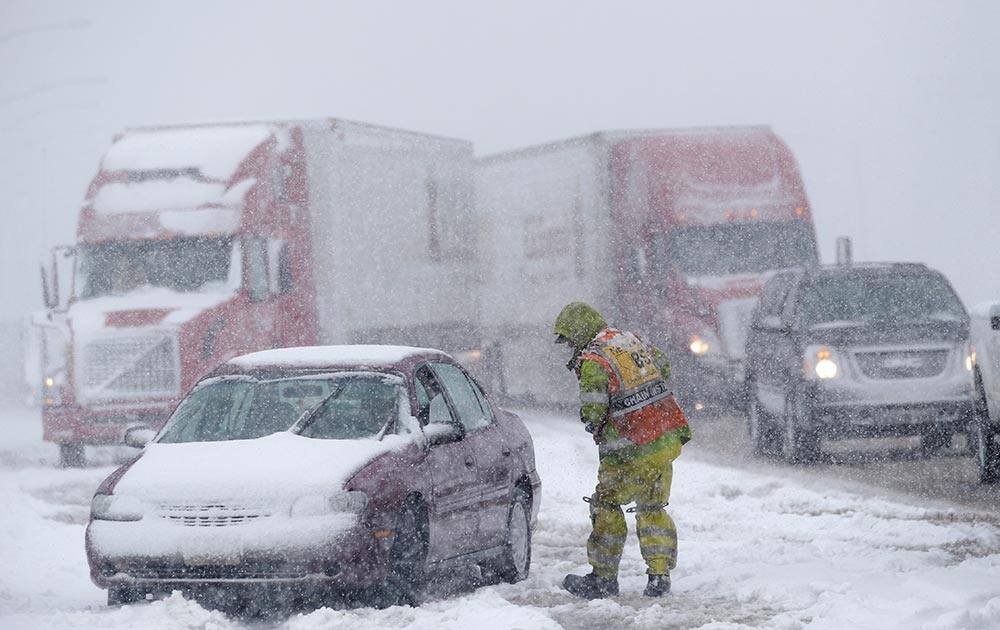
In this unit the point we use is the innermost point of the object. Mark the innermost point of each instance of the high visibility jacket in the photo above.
(624, 396)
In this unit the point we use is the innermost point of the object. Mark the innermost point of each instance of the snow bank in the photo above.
(373, 356)
(215, 151)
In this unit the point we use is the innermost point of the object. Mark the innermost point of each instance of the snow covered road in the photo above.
(757, 549)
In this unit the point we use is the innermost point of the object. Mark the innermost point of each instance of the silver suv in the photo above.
(863, 350)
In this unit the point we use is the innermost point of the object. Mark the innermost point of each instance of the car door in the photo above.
(770, 338)
(455, 494)
(493, 454)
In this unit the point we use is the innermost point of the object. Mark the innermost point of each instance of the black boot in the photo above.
(590, 586)
(658, 586)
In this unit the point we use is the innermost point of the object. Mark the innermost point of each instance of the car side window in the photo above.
(430, 396)
(481, 395)
(463, 396)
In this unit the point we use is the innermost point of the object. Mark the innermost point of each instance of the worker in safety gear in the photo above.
(639, 430)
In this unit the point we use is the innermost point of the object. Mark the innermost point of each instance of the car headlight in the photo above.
(349, 502)
(705, 342)
(110, 507)
(821, 363)
(969, 357)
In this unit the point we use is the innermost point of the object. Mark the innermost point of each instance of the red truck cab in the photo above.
(192, 245)
(716, 213)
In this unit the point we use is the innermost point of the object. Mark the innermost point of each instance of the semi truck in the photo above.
(199, 243)
(671, 233)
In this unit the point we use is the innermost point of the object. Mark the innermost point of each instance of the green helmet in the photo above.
(579, 323)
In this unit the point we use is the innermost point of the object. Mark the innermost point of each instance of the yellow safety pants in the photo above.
(646, 481)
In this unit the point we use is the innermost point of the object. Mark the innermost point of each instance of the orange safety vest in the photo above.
(640, 405)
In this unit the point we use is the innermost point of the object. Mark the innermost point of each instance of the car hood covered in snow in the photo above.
(275, 469)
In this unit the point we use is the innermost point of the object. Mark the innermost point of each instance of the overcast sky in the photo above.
(892, 108)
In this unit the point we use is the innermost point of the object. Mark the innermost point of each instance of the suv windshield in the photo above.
(733, 248)
(879, 298)
(179, 264)
(343, 406)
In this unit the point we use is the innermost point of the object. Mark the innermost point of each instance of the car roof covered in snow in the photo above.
(320, 357)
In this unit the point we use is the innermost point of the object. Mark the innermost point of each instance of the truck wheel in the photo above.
(800, 443)
(408, 557)
(121, 595)
(760, 426)
(515, 562)
(72, 455)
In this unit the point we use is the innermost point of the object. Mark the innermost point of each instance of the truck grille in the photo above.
(902, 364)
(130, 367)
(211, 515)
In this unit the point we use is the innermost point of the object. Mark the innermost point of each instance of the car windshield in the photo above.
(343, 406)
(179, 264)
(879, 298)
(734, 248)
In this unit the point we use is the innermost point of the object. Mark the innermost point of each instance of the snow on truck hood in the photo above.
(277, 468)
(175, 308)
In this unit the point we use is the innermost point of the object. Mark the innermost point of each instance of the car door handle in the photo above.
(469, 462)
(505, 451)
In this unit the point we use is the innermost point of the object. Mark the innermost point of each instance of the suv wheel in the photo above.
(763, 436)
(800, 443)
(986, 446)
(121, 595)
(515, 562)
(934, 440)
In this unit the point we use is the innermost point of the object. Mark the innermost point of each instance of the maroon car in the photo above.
(319, 468)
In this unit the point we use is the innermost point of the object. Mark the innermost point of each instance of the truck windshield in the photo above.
(180, 264)
(881, 298)
(343, 407)
(734, 248)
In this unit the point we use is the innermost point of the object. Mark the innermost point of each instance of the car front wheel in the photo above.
(515, 561)
(986, 441)
(760, 427)
(408, 556)
(121, 595)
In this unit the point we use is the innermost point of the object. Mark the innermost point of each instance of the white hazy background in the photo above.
(892, 108)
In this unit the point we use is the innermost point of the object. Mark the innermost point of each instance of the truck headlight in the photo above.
(110, 507)
(348, 502)
(704, 342)
(821, 363)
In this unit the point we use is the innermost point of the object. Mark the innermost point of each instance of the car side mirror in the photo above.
(138, 436)
(424, 415)
(443, 433)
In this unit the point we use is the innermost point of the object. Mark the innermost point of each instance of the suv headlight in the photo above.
(822, 363)
(110, 507)
(348, 502)
(968, 356)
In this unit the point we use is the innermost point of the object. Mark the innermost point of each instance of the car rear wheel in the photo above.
(72, 455)
(800, 443)
(408, 557)
(515, 562)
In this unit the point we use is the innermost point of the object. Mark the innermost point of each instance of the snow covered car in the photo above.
(986, 378)
(325, 467)
(862, 350)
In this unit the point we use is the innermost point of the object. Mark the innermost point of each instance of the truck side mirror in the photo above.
(50, 286)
